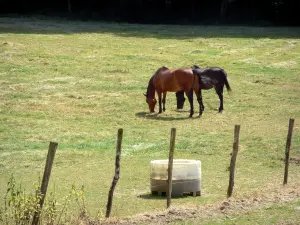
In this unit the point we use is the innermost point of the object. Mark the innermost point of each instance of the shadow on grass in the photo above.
(32, 25)
(161, 197)
(156, 116)
(152, 196)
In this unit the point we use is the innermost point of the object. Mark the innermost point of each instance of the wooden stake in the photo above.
(287, 151)
(117, 173)
(233, 159)
(170, 166)
(45, 181)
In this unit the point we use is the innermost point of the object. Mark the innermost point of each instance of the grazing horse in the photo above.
(211, 77)
(172, 80)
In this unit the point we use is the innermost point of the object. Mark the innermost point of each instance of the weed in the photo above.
(20, 206)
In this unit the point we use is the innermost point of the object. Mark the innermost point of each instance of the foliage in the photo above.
(20, 206)
(170, 11)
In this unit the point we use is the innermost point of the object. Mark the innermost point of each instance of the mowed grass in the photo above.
(77, 83)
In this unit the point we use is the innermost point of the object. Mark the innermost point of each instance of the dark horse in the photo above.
(172, 80)
(212, 77)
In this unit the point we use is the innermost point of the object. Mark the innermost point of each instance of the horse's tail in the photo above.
(199, 78)
(193, 79)
(226, 82)
(194, 71)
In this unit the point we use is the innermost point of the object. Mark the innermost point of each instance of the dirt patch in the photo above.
(227, 207)
(295, 160)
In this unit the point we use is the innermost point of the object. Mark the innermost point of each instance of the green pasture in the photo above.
(77, 83)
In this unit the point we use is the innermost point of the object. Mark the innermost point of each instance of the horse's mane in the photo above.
(195, 67)
(163, 68)
(150, 87)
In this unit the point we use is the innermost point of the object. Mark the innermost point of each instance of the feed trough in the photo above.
(186, 177)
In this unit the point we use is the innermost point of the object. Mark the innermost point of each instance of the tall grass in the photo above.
(20, 206)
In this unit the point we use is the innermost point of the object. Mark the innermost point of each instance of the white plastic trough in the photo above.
(186, 177)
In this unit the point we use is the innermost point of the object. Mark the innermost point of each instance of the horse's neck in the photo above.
(151, 89)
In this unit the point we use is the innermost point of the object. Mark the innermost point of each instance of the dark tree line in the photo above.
(282, 12)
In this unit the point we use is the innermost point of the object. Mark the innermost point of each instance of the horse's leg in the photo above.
(159, 102)
(201, 101)
(199, 98)
(220, 94)
(189, 94)
(164, 101)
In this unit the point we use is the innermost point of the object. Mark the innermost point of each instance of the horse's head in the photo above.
(151, 103)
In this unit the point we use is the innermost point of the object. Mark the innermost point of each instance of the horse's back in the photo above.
(183, 75)
(211, 77)
(174, 80)
(185, 78)
(212, 72)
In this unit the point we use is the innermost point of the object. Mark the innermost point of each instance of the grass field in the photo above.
(77, 83)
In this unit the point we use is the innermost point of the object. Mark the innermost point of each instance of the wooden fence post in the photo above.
(170, 166)
(45, 181)
(287, 150)
(117, 173)
(233, 159)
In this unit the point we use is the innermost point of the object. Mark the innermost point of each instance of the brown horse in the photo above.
(211, 77)
(172, 80)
